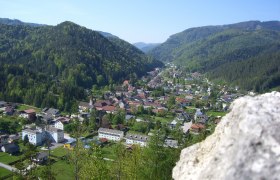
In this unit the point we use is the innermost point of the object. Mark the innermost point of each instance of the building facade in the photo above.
(136, 139)
(110, 134)
(38, 136)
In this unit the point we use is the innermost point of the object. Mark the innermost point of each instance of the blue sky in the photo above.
(140, 20)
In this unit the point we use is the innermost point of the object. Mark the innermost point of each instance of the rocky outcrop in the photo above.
(245, 144)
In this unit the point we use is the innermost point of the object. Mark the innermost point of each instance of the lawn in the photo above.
(166, 119)
(24, 107)
(215, 113)
(4, 172)
(6, 158)
(60, 151)
(63, 170)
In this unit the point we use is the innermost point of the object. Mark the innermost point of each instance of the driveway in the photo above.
(10, 168)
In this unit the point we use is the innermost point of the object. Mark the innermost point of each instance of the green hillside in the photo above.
(52, 65)
(244, 54)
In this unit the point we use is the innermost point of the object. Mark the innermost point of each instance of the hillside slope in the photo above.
(244, 54)
(51, 65)
(245, 144)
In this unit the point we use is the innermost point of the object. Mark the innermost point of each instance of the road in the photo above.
(10, 168)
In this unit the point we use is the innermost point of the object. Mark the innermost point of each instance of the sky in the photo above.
(150, 21)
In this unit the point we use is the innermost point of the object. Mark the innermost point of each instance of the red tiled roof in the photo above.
(29, 111)
(109, 108)
(197, 126)
(181, 100)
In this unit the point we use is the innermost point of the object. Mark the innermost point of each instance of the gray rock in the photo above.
(244, 146)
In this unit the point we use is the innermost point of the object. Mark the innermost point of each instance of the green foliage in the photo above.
(52, 65)
(10, 125)
(25, 140)
(171, 101)
(245, 54)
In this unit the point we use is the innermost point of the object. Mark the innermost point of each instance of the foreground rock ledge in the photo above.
(245, 145)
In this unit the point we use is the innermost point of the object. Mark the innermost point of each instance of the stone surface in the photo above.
(244, 146)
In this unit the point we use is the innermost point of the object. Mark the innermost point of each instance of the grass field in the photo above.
(60, 151)
(6, 158)
(214, 113)
(4, 172)
(63, 170)
(24, 107)
(166, 119)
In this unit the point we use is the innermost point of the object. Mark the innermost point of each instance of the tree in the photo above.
(171, 102)
(133, 162)
(25, 140)
(118, 166)
(95, 166)
(158, 160)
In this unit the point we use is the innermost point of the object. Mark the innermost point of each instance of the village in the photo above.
(186, 105)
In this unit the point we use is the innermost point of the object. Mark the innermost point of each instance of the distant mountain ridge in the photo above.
(245, 54)
(145, 47)
(8, 21)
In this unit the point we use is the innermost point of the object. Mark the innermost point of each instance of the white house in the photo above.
(59, 125)
(136, 139)
(171, 143)
(186, 127)
(38, 136)
(111, 134)
(35, 137)
(56, 135)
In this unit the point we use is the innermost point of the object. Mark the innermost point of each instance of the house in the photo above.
(186, 127)
(111, 134)
(35, 136)
(64, 120)
(109, 109)
(40, 157)
(3, 140)
(28, 114)
(51, 112)
(59, 125)
(173, 124)
(99, 104)
(136, 139)
(171, 143)
(182, 101)
(197, 128)
(47, 118)
(85, 106)
(55, 135)
(10, 148)
(38, 136)
(128, 117)
(199, 117)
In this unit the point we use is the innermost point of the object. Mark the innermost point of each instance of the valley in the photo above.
(166, 110)
(78, 103)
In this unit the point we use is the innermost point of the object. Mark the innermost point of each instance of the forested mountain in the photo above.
(52, 65)
(8, 21)
(145, 47)
(245, 54)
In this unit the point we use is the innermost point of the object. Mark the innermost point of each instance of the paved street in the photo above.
(10, 168)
